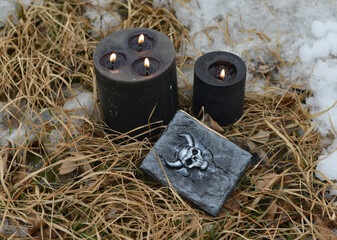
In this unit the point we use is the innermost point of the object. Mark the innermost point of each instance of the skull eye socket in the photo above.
(194, 151)
(189, 161)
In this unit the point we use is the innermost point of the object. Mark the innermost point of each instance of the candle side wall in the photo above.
(224, 104)
(134, 102)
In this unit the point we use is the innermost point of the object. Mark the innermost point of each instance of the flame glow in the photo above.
(113, 57)
(141, 39)
(222, 74)
(147, 62)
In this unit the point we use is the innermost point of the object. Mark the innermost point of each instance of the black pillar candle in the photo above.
(136, 78)
(219, 86)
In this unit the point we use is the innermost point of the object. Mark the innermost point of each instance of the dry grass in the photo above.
(109, 198)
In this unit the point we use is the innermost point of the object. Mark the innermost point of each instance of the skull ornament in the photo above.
(189, 156)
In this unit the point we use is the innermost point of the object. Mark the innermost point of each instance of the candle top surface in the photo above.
(209, 67)
(159, 49)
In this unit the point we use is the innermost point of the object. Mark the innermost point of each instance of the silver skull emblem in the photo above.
(189, 156)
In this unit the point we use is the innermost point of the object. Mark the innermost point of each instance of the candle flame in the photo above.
(222, 74)
(141, 39)
(113, 57)
(147, 62)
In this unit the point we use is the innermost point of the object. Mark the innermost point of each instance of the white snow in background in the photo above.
(328, 164)
(17, 136)
(83, 104)
(84, 100)
(8, 8)
(55, 139)
(335, 231)
(4, 114)
(80, 104)
(12, 132)
(287, 23)
(324, 45)
(323, 83)
(102, 16)
(320, 29)
(319, 57)
(162, 3)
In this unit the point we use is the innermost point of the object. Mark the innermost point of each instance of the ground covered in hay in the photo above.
(63, 177)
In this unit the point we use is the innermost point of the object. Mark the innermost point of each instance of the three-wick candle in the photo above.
(136, 78)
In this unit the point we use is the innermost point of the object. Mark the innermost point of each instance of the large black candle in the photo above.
(136, 78)
(219, 86)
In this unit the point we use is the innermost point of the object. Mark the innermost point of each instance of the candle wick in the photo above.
(112, 65)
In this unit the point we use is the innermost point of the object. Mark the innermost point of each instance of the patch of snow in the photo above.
(333, 192)
(320, 29)
(48, 115)
(335, 231)
(40, 116)
(256, 29)
(161, 3)
(17, 136)
(321, 48)
(9, 8)
(102, 16)
(11, 230)
(328, 164)
(84, 100)
(55, 137)
(245, 20)
(10, 128)
(5, 113)
(83, 104)
(323, 82)
(208, 228)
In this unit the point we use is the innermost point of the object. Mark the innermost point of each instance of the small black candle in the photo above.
(219, 86)
(137, 85)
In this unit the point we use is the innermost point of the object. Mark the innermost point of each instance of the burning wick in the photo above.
(141, 40)
(113, 57)
(139, 44)
(222, 74)
(147, 65)
(144, 67)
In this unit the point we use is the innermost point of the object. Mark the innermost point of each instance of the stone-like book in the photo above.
(201, 165)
